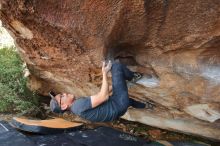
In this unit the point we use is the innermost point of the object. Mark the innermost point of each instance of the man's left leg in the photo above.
(120, 73)
(129, 75)
(119, 87)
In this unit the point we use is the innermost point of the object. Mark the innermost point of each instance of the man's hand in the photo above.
(106, 68)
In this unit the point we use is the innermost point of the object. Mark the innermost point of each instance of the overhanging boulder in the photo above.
(174, 43)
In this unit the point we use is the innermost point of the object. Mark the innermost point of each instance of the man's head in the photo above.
(61, 102)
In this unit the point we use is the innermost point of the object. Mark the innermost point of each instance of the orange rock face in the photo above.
(176, 44)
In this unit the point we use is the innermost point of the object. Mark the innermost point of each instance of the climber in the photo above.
(101, 107)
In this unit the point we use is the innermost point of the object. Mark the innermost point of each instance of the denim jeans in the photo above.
(117, 104)
(120, 73)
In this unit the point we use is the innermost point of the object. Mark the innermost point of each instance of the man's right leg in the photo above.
(127, 73)
(136, 104)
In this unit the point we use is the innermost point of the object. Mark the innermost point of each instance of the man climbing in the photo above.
(101, 107)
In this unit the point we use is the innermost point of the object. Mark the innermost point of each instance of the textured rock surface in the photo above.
(176, 44)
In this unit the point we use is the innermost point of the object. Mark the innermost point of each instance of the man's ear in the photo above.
(64, 106)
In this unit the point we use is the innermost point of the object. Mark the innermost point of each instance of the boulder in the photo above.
(175, 44)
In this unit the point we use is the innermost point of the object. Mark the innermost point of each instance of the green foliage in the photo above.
(14, 95)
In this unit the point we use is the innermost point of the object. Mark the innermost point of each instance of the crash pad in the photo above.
(104, 136)
(55, 125)
(10, 137)
(101, 136)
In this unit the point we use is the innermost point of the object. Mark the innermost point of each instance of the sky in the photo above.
(5, 39)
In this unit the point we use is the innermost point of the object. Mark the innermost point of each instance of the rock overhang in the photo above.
(175, 44)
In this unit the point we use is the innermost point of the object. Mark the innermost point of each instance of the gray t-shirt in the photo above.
(107, 111)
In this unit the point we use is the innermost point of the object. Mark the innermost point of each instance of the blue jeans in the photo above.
(120, 73)
(117, 104)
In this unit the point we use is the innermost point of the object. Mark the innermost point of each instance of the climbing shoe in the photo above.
(137, 76)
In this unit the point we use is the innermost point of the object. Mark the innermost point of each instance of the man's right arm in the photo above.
(103, 95)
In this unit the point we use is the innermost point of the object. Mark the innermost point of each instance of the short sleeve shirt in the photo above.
(107, 111)
(80, 105)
